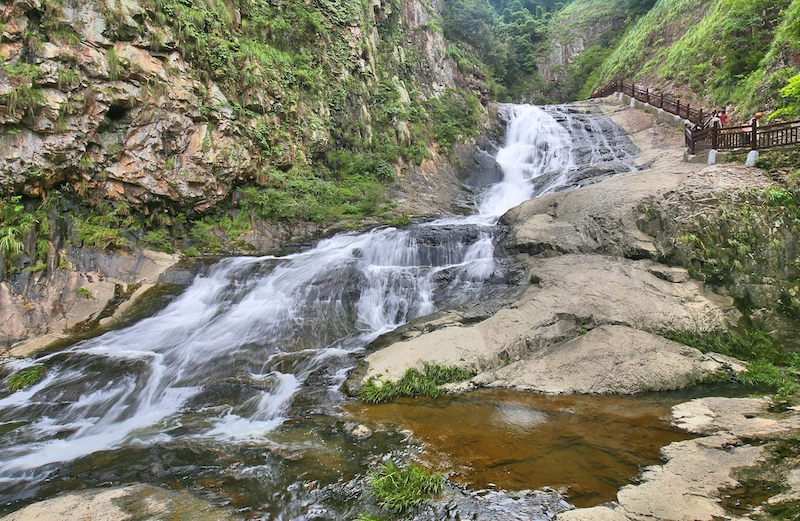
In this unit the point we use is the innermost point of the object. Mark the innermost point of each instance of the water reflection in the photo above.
(587, 446)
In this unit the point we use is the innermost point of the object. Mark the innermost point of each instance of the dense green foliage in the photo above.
(725, 51)
(25, 378)
(414, 383)
(398, 488)
(17, 223)
(278, 64)
(504, 38)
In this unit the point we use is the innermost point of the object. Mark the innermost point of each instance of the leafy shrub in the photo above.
(159, 240)
(356, 189)
(414, 383)
(455, 117)
(25, 378)
(94, 232)
(790, 95)
(399, 488)
(778, 196)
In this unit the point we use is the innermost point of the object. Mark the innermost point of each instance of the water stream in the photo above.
(233, 387)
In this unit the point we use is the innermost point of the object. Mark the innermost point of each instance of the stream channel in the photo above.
(231, 388)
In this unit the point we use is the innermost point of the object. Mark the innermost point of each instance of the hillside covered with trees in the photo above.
(719, 52)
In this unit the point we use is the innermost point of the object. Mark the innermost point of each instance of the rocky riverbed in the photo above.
(595, 304)
(588, 318)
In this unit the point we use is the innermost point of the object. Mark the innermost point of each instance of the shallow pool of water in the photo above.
(586, 446)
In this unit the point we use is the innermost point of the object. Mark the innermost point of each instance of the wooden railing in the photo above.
(657, 99)
(698, 136)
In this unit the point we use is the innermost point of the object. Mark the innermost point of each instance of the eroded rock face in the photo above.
(120, 110)
(536, 343)
(100, 288)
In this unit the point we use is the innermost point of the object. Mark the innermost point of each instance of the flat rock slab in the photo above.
(608, 359)
(519, 345)
(129, 503)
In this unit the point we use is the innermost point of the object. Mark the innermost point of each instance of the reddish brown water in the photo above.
(586, 446)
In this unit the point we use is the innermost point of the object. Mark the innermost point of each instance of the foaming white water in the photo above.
(535, 144)
(263, 325)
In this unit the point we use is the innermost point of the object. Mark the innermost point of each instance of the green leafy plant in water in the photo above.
(398, 488)
(25, 378)
(415, 383)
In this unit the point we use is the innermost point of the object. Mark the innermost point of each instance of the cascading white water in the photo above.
(226, 361)
(267, 328)
(535, 144)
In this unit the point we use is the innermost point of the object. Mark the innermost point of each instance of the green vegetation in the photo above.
(790, 100)
(503, 39)
(415, 383)
(455, 118)
(398, 488)
(104, 229)
(723, 51)
(769, 364)
(17, 223)
(25, 378)
(354, 190)
(85, 293)
(25, 98)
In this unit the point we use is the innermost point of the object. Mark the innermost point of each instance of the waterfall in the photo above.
(255, 338)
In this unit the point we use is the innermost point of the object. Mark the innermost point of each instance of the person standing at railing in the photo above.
(723, 118)
(750, 129)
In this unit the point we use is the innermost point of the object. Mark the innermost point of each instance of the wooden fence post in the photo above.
(678, 107)
(714, 136)
(754, 134)
(701, 117)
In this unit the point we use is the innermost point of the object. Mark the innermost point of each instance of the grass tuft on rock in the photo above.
(398, 488)
(24, 378)
(415, 383)
(769, 364)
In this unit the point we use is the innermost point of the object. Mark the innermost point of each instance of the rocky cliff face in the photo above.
(126, 123)
(116, 97)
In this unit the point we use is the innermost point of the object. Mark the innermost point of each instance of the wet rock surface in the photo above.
(129, 503)
(454, 503)
(42, 309)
